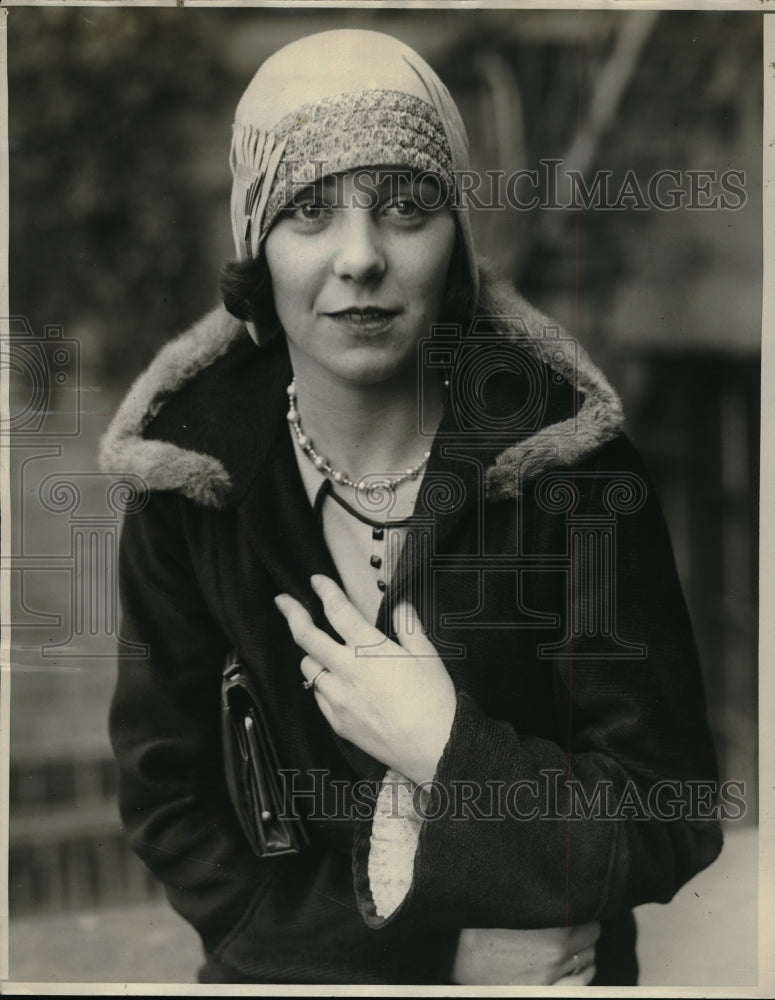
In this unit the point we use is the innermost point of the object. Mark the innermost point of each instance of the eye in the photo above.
(403, 208)
(311, 212)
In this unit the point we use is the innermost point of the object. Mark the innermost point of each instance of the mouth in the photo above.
(364, 318)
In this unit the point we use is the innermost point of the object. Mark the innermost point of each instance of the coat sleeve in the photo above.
(165, 730)
(616, 810)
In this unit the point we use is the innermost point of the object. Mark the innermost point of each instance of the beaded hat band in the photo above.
(346, 132)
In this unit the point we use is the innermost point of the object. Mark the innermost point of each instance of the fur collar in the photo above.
(130, 446)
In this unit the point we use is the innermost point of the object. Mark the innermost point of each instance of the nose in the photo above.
(359, 254)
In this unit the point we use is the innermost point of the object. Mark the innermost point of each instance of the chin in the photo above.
(373, 370)
(377, 374)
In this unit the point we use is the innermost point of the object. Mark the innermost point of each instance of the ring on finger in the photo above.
(576, 959)
(313, 682)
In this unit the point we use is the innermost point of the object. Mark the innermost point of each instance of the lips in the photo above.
(367, 318)
(358, 313)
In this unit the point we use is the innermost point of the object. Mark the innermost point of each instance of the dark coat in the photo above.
(542, 566)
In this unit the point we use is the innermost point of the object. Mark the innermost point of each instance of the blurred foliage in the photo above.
(697, 82)
(104, 222)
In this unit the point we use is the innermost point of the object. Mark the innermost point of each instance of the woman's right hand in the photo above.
(496, 956)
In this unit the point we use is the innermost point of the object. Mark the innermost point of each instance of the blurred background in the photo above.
(119, 131)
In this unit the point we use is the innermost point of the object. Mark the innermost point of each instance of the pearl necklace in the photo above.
(323, 465)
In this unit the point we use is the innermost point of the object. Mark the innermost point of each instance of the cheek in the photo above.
(429, 266)
(283, 266)
(293, 273)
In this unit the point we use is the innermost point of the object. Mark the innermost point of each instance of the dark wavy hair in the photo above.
(246, 289)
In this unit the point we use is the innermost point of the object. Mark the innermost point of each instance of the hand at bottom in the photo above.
(549, 956)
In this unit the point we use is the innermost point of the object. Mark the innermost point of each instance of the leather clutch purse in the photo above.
(252, 769)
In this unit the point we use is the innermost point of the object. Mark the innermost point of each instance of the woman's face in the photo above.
(359, 268)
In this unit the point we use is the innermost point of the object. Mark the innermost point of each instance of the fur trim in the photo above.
(203, 478)
(162, 465)
(598, 420)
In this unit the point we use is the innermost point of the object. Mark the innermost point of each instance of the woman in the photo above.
(404, 502)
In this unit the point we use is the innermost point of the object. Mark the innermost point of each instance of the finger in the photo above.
(315, 674)
(409, 631)
(573, 966)
(309, 667)
(584, 978)
(306, 634)
(341, 612)
(582, 936)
